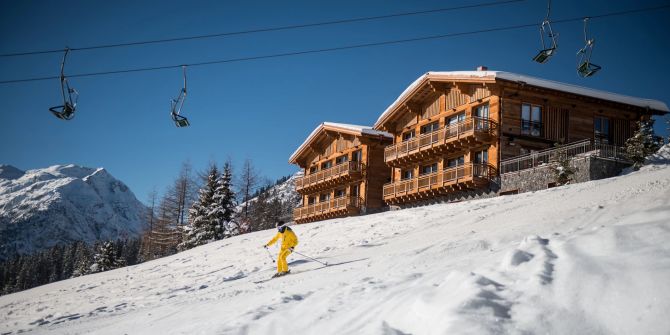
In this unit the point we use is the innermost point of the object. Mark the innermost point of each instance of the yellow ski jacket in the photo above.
(288, 239)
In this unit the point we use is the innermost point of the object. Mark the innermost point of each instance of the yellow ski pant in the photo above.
(282, 265)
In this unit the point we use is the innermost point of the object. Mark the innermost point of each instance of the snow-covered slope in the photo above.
(589, 258)
(63, 203)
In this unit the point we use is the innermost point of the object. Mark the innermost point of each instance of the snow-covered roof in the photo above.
(339, 127)
(492, 76)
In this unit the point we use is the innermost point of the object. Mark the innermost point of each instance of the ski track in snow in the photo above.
(589, 258)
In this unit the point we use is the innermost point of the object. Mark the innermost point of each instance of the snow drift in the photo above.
(589, 258)
(63, 203)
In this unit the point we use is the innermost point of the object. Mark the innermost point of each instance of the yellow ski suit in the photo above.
(288, 240)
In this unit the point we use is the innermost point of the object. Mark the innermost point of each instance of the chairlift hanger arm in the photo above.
(183, 67)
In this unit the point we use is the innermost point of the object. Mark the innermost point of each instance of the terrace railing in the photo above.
(586, 147)
(439, 137)
(326, 207)
(328, 174)
(438, 179)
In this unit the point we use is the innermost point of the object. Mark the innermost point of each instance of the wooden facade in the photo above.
(452, 129)
(344, 172)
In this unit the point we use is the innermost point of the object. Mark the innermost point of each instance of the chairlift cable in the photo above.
(356, 46)
(268, 29)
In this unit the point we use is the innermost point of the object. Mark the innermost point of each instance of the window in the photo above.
(323, 197)
(451, 128)
(408, 135)
(482, 111)
(601, 129)
(356, 156)
(340, 193)
(482, 157)
(341, 159)
(481, 114)
(311, 200)
(456, 119)
(313, 169)
(531, 120)
(326, 165)
(353, 190)
(406, 174)
(427, 169)
(429, 128)
(454, 162)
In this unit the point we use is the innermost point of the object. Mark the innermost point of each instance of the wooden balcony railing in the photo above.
(440, 137)
(332, 206)
(344, 169)
(436, 180)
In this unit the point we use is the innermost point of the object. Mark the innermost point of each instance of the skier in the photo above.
(288, 241)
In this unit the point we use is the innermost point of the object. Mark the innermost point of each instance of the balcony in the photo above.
(460, 178)
(337, 207)
(330, 177)
(468, 133)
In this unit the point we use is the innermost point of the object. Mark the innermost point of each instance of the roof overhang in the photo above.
(419, 86)
(340, 128)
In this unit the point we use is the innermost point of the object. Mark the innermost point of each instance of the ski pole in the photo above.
(269, 255)
(316, 260)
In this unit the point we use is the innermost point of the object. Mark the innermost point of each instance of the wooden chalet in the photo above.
(344, 171)
(451, 129)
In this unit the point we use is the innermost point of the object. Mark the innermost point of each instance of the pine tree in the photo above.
(223, 204)
(642, 144)
(69, 258)
(56, 256)
(203, 227)
(104, 258)
(82, 260)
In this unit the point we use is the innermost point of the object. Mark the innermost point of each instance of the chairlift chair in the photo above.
(65, 111)
(545, 30)
(584, 66)
(177, 104)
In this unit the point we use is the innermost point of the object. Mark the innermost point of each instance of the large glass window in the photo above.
(357, 156)
(429, 128)
(326, 165)
(407, 174)
(313, 169)
(340, 193)
(456, 119)
(482, 157)
(323, 197)
(601, 129)
(408, 135)
(341, 159)
(427, 169)
(481, 114)
(353, 190)
(454, 162)
(531, 120)
(482, 111)
(311, 200)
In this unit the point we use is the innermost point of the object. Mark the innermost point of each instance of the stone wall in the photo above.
(542, 177)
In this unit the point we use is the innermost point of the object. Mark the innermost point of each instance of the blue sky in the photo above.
(264, 109)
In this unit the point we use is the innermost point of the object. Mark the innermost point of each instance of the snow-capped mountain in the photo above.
(589, 258)
(285, 191)
(63, 203)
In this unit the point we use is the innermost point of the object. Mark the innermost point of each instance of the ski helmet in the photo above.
(281, 226)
